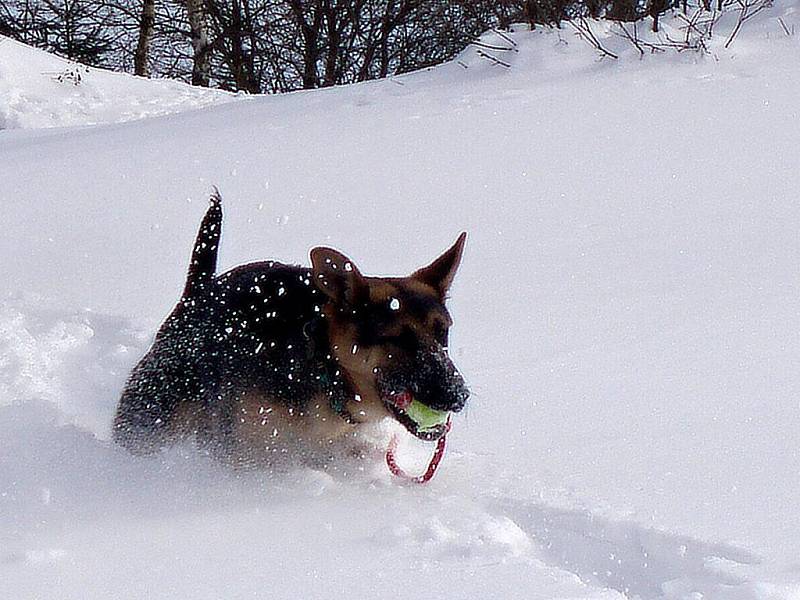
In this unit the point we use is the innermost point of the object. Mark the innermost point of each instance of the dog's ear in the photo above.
(441, 272)
(338, 277)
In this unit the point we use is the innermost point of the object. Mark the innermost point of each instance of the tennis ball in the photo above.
(424, 416)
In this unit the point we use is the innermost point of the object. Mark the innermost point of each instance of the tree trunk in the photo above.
(68, 33)
(237, 61)
(310, 29)
(310, 56)
(201, 68)
(656, 9)
(145, 36)
(334, 42)
(388, 23)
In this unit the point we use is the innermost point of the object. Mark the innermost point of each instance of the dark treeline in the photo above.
(283, 45)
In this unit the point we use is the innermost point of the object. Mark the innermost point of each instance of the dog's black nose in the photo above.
(450, 395)
(438, 383)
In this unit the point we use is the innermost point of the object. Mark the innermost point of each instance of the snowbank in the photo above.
(42, 90)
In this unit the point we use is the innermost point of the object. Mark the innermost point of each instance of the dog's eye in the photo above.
(405, 340)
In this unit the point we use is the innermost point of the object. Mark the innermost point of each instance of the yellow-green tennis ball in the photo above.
(424, 416)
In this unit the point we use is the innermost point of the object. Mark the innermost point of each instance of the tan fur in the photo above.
(186, 420)
(359, 368)
(361, 365)
(268, 432)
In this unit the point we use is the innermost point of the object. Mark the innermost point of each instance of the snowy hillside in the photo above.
(627, 315)
(41, 90)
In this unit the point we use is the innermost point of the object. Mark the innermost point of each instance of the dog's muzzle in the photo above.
(430, 378)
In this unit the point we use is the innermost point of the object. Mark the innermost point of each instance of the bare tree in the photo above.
(201, 72)
(237, 28)
(284, 45)
(308, 16)
(146, 28)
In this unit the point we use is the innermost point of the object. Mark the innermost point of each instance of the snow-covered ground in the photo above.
(627, 314)
(41, 90)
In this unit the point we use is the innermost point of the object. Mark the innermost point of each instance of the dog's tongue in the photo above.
(403, 400)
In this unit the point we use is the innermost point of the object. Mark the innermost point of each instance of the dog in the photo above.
(270, 361)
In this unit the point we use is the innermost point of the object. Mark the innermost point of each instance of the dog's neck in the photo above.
(332, 376)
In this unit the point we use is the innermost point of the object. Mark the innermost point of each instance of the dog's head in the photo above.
(390, 335)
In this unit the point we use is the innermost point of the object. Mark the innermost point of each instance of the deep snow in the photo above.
(627, 314)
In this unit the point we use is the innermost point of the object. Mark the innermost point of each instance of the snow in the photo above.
(42, 90)
(627, 315)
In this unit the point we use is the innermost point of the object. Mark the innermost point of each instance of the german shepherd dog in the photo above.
(270, 361)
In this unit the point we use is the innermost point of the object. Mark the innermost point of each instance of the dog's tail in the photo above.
(206, 246)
